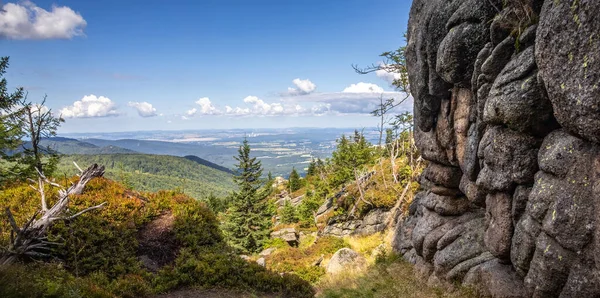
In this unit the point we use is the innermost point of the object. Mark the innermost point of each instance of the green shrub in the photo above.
(99, 255)
(218, 269)
(300, 260)
(195, 225)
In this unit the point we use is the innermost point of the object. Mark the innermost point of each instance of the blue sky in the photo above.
(146, 65)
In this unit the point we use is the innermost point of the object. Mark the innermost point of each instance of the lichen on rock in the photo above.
(507, 112)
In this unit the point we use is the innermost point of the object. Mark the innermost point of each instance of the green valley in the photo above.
(147, 172)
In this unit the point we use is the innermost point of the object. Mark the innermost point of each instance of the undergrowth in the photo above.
(390, 276)
(99, 252)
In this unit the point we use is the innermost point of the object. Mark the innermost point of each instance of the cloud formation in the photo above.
(359, 98)
(258, 107)
(302, 87)
(363, 88)
(206, 108)
(26, 20)
(144, 109)
(387, 76)
(90, 106)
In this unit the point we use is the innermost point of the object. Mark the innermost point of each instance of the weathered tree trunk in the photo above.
(31, 240)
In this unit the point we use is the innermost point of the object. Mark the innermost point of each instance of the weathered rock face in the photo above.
(507, 112)
(290, 235)
(374, 221)
(344, 260)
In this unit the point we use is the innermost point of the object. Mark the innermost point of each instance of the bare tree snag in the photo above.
(31, 240)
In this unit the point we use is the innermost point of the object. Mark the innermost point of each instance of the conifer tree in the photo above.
(288, 213)
(10, 129)
(294, 182)
(249, 216)
(312, 168)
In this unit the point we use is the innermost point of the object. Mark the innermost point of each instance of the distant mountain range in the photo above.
(279, 150)
(73, 146)
(70, 146)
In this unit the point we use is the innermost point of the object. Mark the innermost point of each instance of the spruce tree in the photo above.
(295, 183)
(248, 217)
(10, 128)
(312, 168)
(288, 213)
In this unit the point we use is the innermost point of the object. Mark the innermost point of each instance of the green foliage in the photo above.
(309, 205)
(294, 181)
(20, 119)
(50, 280)
(216, 269)
(216, 204)
(37, 122)
(248, 218)
(276, 243)
(312, 168)
(146, 172)
(300, 260)
(99, 255)
(349, 156)
(288, 213)
(10, 129)
(390, 277)
(196, 226)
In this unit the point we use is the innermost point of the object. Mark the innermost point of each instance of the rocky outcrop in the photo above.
(374, 221)
(345, 260)
(289, 235)
(507, 112)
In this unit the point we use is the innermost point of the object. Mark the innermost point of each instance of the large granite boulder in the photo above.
(345, 260)
(507, 112)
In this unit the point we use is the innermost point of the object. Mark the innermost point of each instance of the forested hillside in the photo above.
(72, 146)
(148, 172)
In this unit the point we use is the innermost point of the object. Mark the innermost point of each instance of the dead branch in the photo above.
(399, 203)
(31, 240)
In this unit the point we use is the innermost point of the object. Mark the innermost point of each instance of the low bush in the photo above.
(99, 252)
(391, 276)
(300, 261)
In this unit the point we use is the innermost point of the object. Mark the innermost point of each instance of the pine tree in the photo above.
(288, 213)
(295, 183)
(249, 216)
(10, 129)
(312, 168)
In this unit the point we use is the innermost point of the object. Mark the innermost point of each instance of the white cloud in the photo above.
(363, 88)
(144, 109)
(360, 98)
(90, 106)
(258, 107)
(28, 21)
(302, 87)
(191, 112)
(206, 107)
(387, 76)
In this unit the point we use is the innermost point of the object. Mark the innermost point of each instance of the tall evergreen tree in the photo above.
(10, 129)
(312, 168)
(295, 183)
(288, 213)
(249, 216)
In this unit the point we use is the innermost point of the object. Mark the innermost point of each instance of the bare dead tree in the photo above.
(359, 180)
(31, 239)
